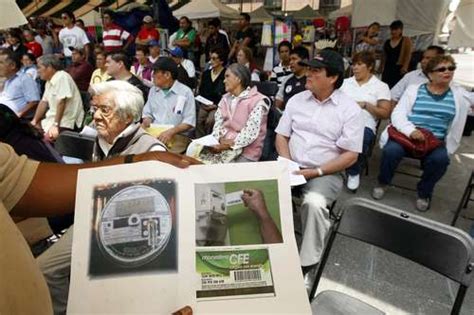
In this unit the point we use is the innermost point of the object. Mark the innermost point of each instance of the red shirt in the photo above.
(114, 37)
(35, 48)
(81, 73)
(146, 33)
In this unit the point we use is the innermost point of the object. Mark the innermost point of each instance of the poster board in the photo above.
(151, 238)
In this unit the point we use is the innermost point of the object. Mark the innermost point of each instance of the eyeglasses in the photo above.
(103, 109)
(214, 58)
(443, 69)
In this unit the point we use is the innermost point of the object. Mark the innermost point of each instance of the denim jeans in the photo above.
(434, 165)
(368, 138)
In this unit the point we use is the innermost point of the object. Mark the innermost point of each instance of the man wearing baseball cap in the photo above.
(169, 102)
(155, 51)
(321, 129)
(189, 75)
(148, 32)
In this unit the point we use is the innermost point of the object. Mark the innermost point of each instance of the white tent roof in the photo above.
(204, 9)
(10, 14)
(463, 32)
(364, 12)
(344, 11)
(418, 16)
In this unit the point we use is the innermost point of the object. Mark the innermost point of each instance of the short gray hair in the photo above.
(241, 72)
(128, 99)
(51, 60)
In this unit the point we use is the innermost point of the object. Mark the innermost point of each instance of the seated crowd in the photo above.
(328, 125)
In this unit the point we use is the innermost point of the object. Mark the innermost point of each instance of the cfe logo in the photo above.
(239, 259)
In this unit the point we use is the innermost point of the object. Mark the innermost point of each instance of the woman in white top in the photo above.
(29, 67)
(245, 58)
(373, 96)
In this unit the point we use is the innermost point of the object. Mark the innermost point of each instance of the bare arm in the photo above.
(60, 110)
(336, 165)
(167, 135)
(254, 200)
(29, 106)
(184, 43)
(87, 51)
(282, 147)
(382, 110)
(39, 114)
(128, 43)
(279, 104)
(53, 188)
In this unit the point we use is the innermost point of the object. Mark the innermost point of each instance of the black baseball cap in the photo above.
(166, 64)
(326, 58)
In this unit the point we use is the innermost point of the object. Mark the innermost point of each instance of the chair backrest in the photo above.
(439, 247)
(267, 88)
(70, 143)
(434, 245)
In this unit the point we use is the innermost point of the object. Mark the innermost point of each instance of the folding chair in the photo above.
(269, 89)
(70, 143)
(436, 246)
(466, 197)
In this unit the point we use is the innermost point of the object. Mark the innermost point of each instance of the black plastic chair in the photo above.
(466, 197)
(70, 143)
(267, 88)
(436, 246)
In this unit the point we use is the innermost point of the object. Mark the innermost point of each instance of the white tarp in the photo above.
(204, 9)
(422, 16)
(344, 11)
(10, 14)
(364, 12)
(463, 33)
(418, 16)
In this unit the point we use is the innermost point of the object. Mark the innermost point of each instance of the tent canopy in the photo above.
(10, 14)
(463, 32)
(418, 16)
(306, 13)
(260, 15)
(345, 11)
(204, 9)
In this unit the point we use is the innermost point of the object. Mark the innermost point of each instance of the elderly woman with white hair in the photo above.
(240, 121)
(117, 107)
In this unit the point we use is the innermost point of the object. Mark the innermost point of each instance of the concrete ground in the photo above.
(387, 281)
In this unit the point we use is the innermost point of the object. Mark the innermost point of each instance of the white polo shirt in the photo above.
(372, 91)
(321, 131)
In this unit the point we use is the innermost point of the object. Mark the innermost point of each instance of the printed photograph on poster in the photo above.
(134, 228)
(237, 213)
(234, 273)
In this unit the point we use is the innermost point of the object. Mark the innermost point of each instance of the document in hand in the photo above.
(152, 238)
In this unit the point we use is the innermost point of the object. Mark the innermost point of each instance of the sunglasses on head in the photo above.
(443, 69)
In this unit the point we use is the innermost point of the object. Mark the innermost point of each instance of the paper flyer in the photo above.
(152, 238)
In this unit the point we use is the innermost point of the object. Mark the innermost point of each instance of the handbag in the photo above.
(417, 149)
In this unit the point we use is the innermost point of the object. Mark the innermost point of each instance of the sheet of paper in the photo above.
(155, 129)
(202, 99)
(208, 140)
(295, 180)
(88, 131)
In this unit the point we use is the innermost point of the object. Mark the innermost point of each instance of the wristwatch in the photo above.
(320, 172)
(56, 124)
